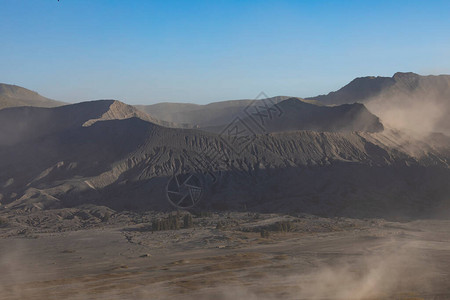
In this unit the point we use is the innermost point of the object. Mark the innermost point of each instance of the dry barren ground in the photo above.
(72, 254)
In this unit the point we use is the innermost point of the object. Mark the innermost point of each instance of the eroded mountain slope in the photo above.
(126, 164)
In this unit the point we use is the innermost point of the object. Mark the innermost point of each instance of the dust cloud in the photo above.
(380, 275)
(395, 271)
(16, 272)
(419, 115)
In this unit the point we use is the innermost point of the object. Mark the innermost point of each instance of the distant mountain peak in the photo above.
(293, 100)
(402, 75)
(117, 110)
(14, 95)
(359, 88)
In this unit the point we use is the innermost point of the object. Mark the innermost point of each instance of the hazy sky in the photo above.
(204, 51)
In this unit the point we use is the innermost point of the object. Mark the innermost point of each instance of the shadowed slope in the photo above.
(296, 114)
(126, 164)
(299, 115)
(21, 124)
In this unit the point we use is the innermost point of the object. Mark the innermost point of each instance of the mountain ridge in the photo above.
(295, 114)
(361, 89)
(13, 96)
(126, 163)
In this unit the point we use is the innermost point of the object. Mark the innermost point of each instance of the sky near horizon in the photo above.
(143, 52)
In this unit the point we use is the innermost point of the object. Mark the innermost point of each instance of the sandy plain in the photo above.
(71, 254)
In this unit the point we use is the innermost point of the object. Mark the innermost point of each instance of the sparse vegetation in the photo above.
(106, 217)
(265, 234)
(173, 222)
(284, 226)
(203, 214)
(281, 226)
(219, 226)
(187, 221)
(3, 222)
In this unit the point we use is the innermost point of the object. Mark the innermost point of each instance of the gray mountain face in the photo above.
(13, 96)
(108, 154)
(208, 115)
(29, 123)
(405, 100)
(295, 114)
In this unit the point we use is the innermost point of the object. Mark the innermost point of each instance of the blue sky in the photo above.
(203, 51)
